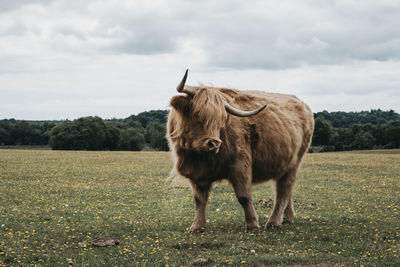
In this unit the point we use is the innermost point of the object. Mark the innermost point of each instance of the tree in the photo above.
(322, 131)
(364, 140)
(392, 134)
(24, 133)
(5, 132)
(45, 129)
(62, 136)
(131, 139)
(150, 116)
(91, 133)
(88, 133)
(155, 135)
(112, 137)
(346, 136)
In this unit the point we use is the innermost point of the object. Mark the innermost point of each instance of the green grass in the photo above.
(53, 203)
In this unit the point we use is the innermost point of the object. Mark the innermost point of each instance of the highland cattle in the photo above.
(245, 137)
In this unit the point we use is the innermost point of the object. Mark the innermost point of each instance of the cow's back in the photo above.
(283, 131)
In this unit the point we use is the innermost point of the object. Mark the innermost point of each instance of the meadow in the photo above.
(53, 204)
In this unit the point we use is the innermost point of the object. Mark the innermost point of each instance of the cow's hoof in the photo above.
(271, 225)
(253, 228)
(196, 230)
(286, 221)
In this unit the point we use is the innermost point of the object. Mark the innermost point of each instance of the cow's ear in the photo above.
(181, 103)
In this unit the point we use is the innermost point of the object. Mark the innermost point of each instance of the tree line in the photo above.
(338, 131)
(137, 132)
(334, 131)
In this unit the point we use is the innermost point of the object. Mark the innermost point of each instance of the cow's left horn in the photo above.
(242, 113)
(182, 88)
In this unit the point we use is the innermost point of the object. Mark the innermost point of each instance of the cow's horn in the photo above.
(242, 113)
(182, 88)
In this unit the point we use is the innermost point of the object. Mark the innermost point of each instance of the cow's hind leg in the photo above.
(201, 198)
(283, 210)
(288, 215)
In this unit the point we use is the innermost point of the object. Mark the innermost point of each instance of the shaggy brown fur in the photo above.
(208, 144)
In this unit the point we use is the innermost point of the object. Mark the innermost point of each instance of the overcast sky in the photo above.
(64, 59)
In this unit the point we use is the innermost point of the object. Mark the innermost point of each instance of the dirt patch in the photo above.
(311, 205)
(321, 264)
(105, 242)
(206, 245)
(201, 262)
(270, 203)
(265, 203)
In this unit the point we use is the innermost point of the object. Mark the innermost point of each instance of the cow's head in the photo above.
(203, 113)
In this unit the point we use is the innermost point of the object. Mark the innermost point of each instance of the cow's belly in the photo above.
(273, 166)
(267, 171)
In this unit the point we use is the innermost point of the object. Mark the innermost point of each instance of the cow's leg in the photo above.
(283, 204)
(288, 215)
(200, 197)
(242, 187)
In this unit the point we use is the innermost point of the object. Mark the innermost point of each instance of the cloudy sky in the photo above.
(66, 59)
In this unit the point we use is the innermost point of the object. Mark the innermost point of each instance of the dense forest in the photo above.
(338, 131)
(334, 131)
(137, 132)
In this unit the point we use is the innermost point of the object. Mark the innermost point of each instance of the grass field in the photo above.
(54, 203)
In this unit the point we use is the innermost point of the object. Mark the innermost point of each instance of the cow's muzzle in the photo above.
(212, 145)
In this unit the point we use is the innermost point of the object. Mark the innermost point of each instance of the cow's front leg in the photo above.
(201, 198)
(242, 186)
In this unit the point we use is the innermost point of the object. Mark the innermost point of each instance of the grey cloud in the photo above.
(138, 36)
(7, 5)
(237, 35)
(332, 35)
(341, 40)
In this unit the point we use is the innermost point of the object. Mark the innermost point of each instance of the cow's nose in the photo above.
(213, 145)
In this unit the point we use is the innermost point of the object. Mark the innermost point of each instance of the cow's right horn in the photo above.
(242, 113)
(182, 88)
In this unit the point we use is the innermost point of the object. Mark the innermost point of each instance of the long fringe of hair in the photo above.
(208, 107)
